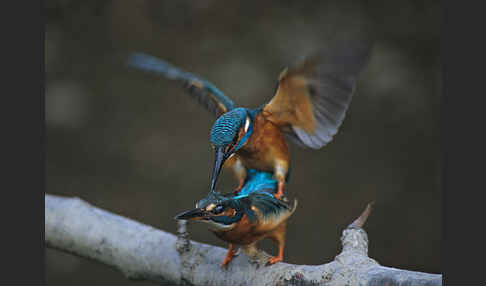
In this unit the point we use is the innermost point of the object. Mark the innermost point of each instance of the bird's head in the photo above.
(225, 211)
(228, 134)
(222, 211)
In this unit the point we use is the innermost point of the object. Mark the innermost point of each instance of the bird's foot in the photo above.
(274, 259)
(226, 261)
(229, 256)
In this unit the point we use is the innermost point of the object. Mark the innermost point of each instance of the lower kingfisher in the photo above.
(243, 218)
(308, 107)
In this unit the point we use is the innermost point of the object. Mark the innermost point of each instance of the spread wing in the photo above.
(312, 97)
(205, 92)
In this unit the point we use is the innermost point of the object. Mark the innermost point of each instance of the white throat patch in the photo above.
(247, 123)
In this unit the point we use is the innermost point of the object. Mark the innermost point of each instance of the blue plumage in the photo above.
(309, 105)
(227, 126)
(226, 212)
(258, 181)
(258, 191)
(217, 103)
(225, 130)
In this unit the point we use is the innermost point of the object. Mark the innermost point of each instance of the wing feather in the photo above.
(313, 96)
(203, 91)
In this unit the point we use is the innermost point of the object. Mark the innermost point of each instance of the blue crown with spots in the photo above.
(227, 126)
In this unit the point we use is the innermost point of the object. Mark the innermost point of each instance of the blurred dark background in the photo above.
(138, 146)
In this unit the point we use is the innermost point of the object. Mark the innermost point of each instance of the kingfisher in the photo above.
(245, 217)
(308, 107)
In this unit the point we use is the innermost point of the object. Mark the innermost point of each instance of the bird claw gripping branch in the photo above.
(307, 108)
(246, 217)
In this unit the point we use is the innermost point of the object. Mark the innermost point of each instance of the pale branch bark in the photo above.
(145, 253)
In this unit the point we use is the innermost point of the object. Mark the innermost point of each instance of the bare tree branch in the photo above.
(143, 252)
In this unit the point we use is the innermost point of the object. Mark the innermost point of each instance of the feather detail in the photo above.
(203, 91)
(313, 96)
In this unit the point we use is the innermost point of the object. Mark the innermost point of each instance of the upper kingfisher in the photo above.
(308, 107)
(243, 218)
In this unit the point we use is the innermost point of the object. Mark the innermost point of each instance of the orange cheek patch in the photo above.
(228, 212)
(241, 133)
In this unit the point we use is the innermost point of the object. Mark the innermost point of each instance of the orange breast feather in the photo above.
(242, 234)
(266, 146)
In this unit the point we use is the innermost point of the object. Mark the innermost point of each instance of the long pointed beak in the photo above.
(218, 163)
(192, 214)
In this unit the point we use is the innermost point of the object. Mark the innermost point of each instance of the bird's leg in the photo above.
(239, 171)
(278, 236)
(241, 184)
(229, 256)
(279, 193)
(280, 172)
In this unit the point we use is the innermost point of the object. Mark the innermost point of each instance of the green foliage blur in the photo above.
(137, 145)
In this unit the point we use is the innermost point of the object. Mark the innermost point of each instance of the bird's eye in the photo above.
(218, 209)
